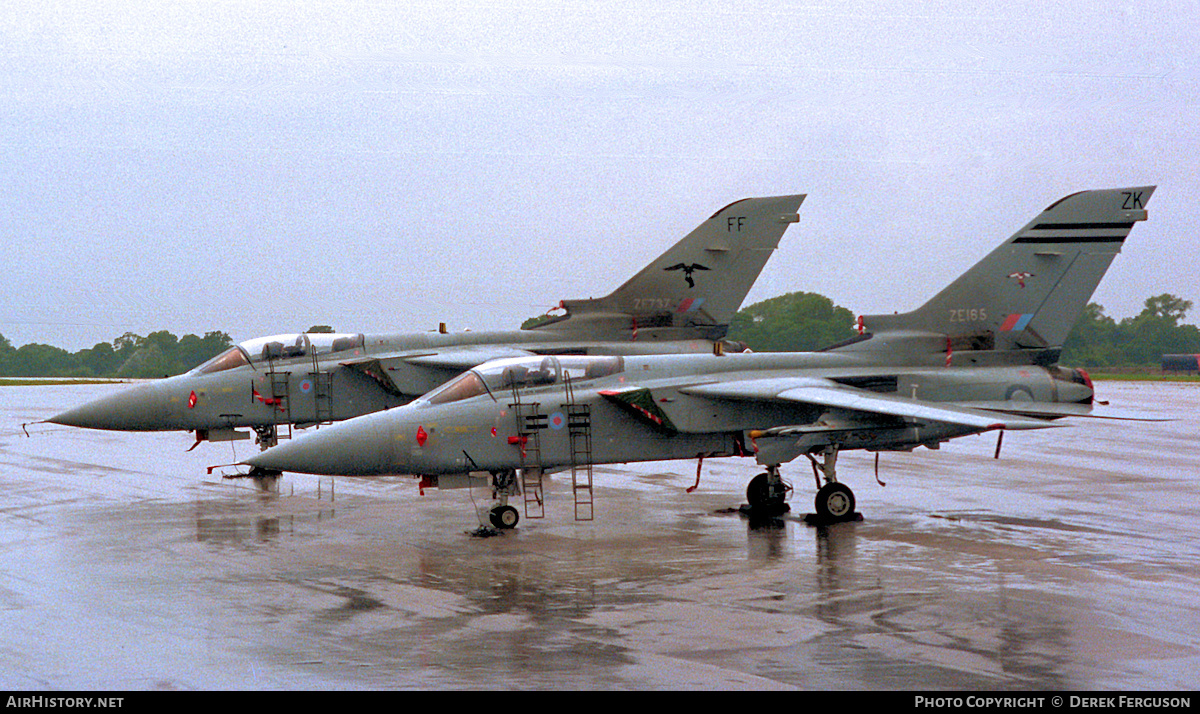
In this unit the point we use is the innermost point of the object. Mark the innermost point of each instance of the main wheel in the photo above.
(504, 517)
(835, 501)
(760, 494)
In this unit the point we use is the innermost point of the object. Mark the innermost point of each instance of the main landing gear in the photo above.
(767, 492)
(835, 500)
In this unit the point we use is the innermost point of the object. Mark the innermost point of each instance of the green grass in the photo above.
(1143, 377)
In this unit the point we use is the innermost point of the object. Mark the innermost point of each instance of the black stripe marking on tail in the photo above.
(1080, 226)
(1069, 239)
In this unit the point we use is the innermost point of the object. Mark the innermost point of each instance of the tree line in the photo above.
(1138, 341)
(808, 321)
(158, 354)
(795, 322)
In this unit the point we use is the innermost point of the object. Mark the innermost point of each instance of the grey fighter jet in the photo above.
(981, 355)
(272, 383)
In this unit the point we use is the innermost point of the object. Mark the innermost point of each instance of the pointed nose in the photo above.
(139, 408)
(358, 447)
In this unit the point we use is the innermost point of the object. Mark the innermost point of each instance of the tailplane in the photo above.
(695, 288)
(1029, 292)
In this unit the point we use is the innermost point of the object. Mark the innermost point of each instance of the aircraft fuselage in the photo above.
(647, 412)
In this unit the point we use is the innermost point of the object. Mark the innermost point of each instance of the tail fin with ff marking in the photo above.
(1030, 291)
(695, 287)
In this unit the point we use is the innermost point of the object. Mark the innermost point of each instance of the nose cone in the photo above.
(358, 447)
(139, 408)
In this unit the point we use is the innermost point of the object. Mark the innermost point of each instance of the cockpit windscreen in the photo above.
(505, 375)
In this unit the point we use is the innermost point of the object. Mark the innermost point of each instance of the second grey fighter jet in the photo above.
(981, 355)
(272, 383)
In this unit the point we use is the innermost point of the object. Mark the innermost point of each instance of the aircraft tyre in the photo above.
(758, 493)
(504, 517)
(835, 502)
(256, 472)
(265, 480)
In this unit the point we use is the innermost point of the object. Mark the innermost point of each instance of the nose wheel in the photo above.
(504, 517)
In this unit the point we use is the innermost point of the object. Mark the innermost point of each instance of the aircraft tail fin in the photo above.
(1028, 293)
(696, 286)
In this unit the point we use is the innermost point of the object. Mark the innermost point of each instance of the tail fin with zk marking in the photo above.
(695, 288)
(1029, 292)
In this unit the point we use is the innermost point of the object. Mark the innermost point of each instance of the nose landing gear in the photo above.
(504, 517)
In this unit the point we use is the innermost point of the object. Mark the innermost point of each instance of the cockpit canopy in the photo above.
(276, 347)
(504, 375)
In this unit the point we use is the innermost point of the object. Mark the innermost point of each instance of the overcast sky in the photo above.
(260, 167)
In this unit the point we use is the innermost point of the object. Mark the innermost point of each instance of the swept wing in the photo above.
(826, 393)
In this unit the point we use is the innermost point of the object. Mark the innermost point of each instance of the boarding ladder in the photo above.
(579, 431)
(322, 388)
(323, 396)
(530, 423)
(281, 409)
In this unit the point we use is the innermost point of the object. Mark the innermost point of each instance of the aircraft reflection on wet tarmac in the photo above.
(1064, 565)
